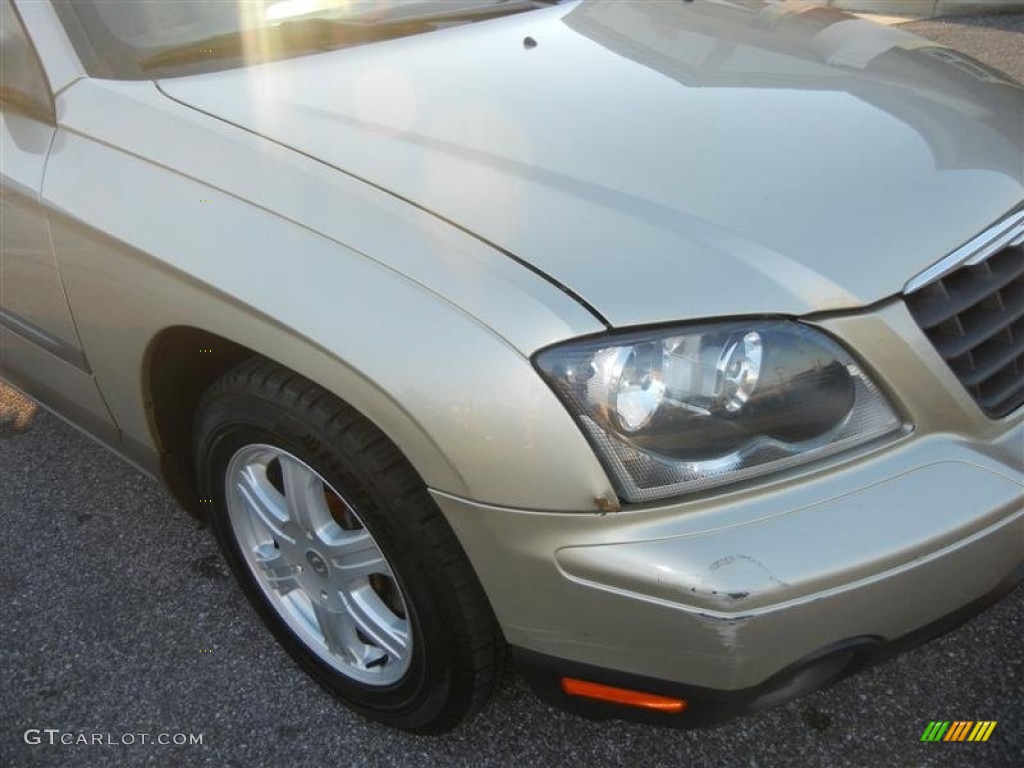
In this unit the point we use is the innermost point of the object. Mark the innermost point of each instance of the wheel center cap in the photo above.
(317, 563)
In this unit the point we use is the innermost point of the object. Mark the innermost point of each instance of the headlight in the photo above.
(672, 412)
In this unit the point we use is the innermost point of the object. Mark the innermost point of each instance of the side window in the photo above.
(23, 84)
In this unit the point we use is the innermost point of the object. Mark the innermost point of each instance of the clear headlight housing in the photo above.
(682, 410)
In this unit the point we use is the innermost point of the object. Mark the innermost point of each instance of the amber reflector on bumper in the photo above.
(575, 687)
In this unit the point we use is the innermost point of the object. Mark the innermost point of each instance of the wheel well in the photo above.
(181, 363)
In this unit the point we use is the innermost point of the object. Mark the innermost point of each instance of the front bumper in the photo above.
(708, 705)
(731, 592)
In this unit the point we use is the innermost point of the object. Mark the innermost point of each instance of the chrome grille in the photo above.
(973, 314)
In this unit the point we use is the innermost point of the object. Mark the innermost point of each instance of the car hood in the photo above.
(664, 160)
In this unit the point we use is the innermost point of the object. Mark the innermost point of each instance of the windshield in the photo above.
(149, 38)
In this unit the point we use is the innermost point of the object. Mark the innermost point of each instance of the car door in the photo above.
(39, 348)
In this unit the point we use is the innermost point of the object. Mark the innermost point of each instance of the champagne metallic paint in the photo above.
(762, 160)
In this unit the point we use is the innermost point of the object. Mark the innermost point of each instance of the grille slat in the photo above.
(1000, 359)
(974, 317)
(969, 289)
(975, 330)
(1003, 395)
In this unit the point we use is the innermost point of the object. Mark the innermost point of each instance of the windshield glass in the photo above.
(151, 38)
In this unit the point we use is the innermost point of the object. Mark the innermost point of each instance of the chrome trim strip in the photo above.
(58, 347)
(1009, 231)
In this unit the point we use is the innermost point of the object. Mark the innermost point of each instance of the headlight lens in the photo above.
(672, 412)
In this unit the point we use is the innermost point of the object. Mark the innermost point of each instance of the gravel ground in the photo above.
(997, 40)
(120, 618)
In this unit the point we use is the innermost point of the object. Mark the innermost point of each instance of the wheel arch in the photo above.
(180, 364)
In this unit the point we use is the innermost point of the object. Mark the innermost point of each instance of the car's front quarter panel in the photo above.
(181, 233)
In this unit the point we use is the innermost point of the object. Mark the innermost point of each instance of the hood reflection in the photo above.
(943, 94)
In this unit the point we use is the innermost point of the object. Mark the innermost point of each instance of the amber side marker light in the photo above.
(582, 688)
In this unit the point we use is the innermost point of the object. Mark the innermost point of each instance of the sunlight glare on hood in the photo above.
(287, 9)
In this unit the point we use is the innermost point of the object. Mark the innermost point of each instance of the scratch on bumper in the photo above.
(820, 548)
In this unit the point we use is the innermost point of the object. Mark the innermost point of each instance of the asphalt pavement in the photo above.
(120, 619)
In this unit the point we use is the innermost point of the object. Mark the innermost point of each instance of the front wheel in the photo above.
(342, 551)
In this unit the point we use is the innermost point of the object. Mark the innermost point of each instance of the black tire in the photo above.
(458, 651)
